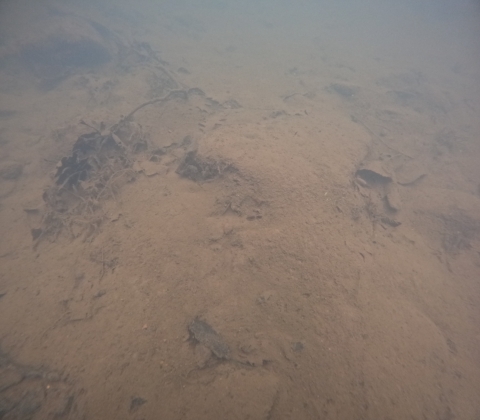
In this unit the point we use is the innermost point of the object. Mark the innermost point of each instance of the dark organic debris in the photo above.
(90, 152)
(102, 161)
(390, 222)
(99, 164)
(204, 334)
(72, 170)
(198, 168)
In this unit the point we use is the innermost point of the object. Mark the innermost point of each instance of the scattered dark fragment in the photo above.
(87, 143)
(196, 91)
(136, 403)
(343, 90)
(99, 294)
(373, 177)
(276, 114)
(190, 172)
(187, 141)
(231, 104)
(152, 54)
(213, 103)
(159, 152)
(390, 222)
(72, 170)
(203, 333)
(140, 146)
(88, 153)
(297, 346)
(197, 168)
(451, 346)
(31, 211)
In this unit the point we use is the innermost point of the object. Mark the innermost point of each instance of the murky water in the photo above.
(225, 209)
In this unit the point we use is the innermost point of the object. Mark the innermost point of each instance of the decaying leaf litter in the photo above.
(102, 161)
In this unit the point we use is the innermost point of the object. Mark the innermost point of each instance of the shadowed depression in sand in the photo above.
(239, 210)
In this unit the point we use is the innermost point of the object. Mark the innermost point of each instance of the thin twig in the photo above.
(164, 98)
(107, 184)
(90, 126)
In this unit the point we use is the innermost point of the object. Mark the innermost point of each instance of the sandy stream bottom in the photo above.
(340, 294)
